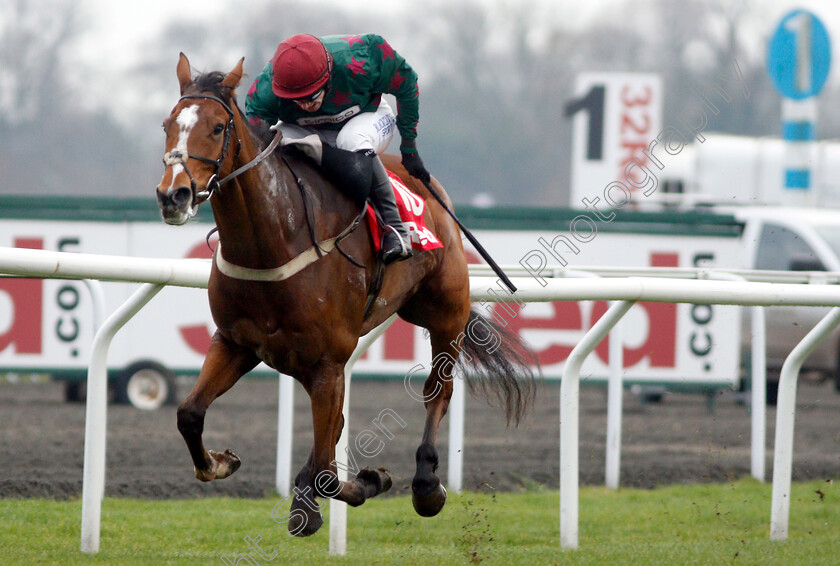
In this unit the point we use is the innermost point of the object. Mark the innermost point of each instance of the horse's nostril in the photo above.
(181, 196)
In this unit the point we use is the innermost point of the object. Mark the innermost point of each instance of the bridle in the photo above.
(176, 157)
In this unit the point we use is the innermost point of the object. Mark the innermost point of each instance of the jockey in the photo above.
(326, 96)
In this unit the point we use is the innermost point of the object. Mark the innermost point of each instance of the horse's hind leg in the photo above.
(443, 307)
(445, 321)
(224, 365)
(428, 494)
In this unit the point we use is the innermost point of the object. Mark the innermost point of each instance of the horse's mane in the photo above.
(211, 83)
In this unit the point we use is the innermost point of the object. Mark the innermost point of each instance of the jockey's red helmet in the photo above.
(301, 67)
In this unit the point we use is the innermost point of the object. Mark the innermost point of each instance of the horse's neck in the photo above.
(256, 212)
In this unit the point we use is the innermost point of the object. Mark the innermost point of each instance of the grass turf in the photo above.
(698, 524)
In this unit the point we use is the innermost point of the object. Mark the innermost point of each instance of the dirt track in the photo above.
(677, 441)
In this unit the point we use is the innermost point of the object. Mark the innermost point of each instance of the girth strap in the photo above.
(293, 266)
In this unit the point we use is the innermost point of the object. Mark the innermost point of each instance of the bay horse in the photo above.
(307, 324)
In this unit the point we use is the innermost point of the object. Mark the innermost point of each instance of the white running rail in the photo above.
(626, 290)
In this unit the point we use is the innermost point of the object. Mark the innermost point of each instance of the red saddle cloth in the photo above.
(411, 208)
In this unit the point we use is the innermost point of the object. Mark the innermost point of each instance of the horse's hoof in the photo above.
(204, 475)
(304, 522)
(224, 464)
(386, 479)
(374, 481)
(430, 503)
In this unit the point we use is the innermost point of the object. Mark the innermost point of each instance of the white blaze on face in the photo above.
(186, 120)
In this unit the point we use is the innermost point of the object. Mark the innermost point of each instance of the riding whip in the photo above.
(478, 247)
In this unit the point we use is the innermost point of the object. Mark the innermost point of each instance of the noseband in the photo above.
(175, 157)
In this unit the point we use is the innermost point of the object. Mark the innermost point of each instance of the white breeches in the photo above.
(368, 130)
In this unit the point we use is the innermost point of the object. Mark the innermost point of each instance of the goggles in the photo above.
(311, 98)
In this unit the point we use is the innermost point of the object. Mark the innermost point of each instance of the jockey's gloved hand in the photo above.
(414, 165)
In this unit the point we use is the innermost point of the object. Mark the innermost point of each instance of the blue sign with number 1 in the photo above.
(799, 56)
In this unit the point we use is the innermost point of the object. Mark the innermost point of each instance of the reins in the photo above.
(255, 161)
(314, 253)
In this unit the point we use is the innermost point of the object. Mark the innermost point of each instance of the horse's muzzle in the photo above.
(176, 205)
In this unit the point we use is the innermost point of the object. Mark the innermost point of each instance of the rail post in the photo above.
(93, 486)
(569, 421)
(785, 412)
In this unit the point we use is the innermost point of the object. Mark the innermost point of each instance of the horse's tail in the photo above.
(498, 364)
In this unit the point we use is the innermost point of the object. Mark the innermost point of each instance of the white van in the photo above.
(791, 239)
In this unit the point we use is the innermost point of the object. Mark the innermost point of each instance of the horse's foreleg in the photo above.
(326, 393)
(427, 493)
(319, 476)
(367, 483)
(224, 365)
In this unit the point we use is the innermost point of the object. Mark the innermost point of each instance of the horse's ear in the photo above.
(184, 72)
(232, 79)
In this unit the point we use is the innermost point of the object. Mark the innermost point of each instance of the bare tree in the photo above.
(48, 143)
(33, 35)
(494, 78)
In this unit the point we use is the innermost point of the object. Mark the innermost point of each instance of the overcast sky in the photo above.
(116, 32)
(123, 27)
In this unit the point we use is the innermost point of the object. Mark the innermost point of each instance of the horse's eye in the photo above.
(218, 129)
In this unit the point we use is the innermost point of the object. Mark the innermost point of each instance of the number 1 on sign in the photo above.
(800, 25)
(593, 103)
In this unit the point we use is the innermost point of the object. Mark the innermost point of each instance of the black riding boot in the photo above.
(361, 175)
(396, 243)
